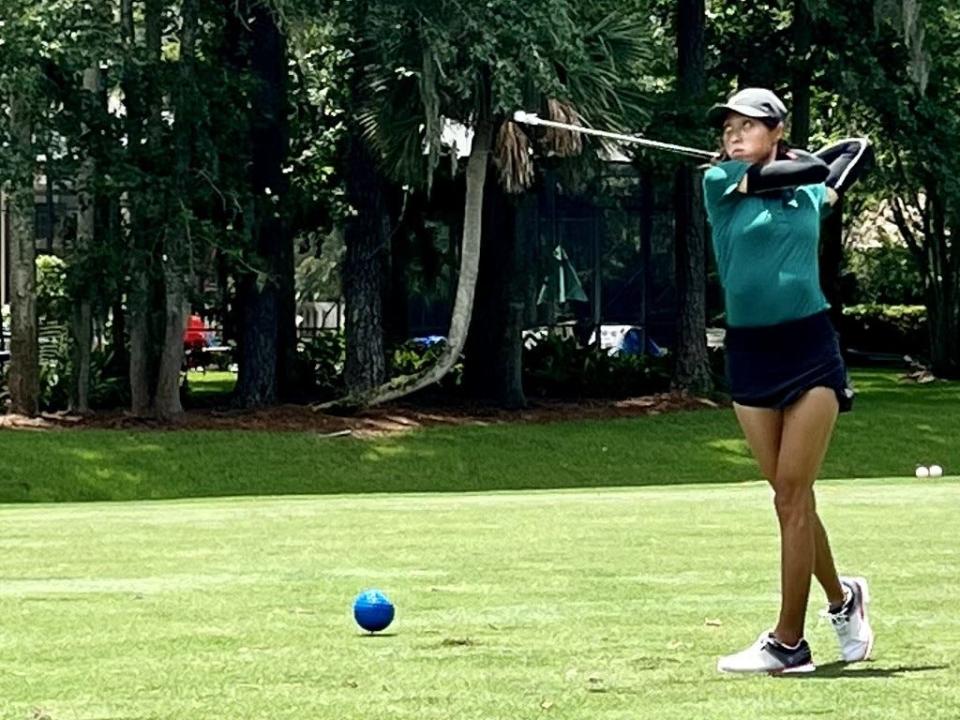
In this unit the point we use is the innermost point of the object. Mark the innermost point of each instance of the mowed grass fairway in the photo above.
(519, 601)
(578, 604)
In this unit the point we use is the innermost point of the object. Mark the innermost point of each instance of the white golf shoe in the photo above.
(852, 622)
(768, 655)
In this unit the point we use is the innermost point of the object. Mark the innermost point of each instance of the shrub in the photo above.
(320, 364)
(886, 274)
(900, 329)
(106, 390)
(555, 366)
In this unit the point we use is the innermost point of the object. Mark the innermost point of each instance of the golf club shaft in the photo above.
(532, 119)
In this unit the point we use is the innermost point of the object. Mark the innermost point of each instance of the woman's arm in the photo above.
(848, 160)
(801, 168)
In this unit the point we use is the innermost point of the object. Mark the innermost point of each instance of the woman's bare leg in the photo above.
(807, 428)
(824, 568)
(763, 429)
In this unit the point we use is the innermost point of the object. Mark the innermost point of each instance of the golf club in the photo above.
(526, 118)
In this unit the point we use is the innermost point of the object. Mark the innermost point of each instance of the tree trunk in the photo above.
(268, 334)
(466, 283)
(800, 85)
(692, 369)
(257, 380)
(939, 262)
(275, 143)
(81, 341)
(24, 377)
(944, 321)
(943, 306)
(167, 403)
(363, 271)
(81, 320)
(137, 306)
(143, 107)
(177, 250)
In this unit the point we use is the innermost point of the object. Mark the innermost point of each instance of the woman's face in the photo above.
(748, 139)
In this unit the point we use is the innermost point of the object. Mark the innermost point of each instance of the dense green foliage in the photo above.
(396, 72)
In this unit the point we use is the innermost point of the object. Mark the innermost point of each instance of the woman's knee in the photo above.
(793, 501)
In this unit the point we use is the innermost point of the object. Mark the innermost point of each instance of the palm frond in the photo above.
(512, 158)
(562, 143)
(618, 48)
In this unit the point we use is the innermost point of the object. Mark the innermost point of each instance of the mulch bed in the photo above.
(383, 420)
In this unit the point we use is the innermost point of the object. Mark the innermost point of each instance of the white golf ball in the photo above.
(936, 471)
(922, 472)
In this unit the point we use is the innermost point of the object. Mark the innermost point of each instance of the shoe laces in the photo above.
(839, 619)
(763, 641)
(769, 640)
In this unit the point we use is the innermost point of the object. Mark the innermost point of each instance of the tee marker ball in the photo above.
(373, 611)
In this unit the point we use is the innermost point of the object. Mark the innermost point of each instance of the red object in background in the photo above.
(195, 336)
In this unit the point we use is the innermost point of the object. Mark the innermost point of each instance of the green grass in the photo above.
(893, 427)
(581, 603)
(610, 604)
(210, 384)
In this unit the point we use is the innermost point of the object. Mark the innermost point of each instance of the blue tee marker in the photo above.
(373, 611)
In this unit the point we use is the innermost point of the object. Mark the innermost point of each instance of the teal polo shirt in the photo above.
(766, 247)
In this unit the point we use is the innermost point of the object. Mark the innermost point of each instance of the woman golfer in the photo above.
(786, 373)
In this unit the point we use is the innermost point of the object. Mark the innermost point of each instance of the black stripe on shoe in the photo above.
(791, 657)
(854, 602)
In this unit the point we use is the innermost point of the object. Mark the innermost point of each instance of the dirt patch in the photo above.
(387, 420)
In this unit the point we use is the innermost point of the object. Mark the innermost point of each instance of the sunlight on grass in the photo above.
(389, 450)
(88, 455)
(867, 380)
(733, 450)
(45, 587)
(212, 382)
(146, 448)
(379, 453)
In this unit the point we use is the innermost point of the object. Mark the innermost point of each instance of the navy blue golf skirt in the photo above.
(772, 366)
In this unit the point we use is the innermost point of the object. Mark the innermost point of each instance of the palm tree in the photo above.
(581, 69)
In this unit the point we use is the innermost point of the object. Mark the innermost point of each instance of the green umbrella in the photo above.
(561, 284)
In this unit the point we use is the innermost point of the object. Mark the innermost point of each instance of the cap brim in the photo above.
(717, 113)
